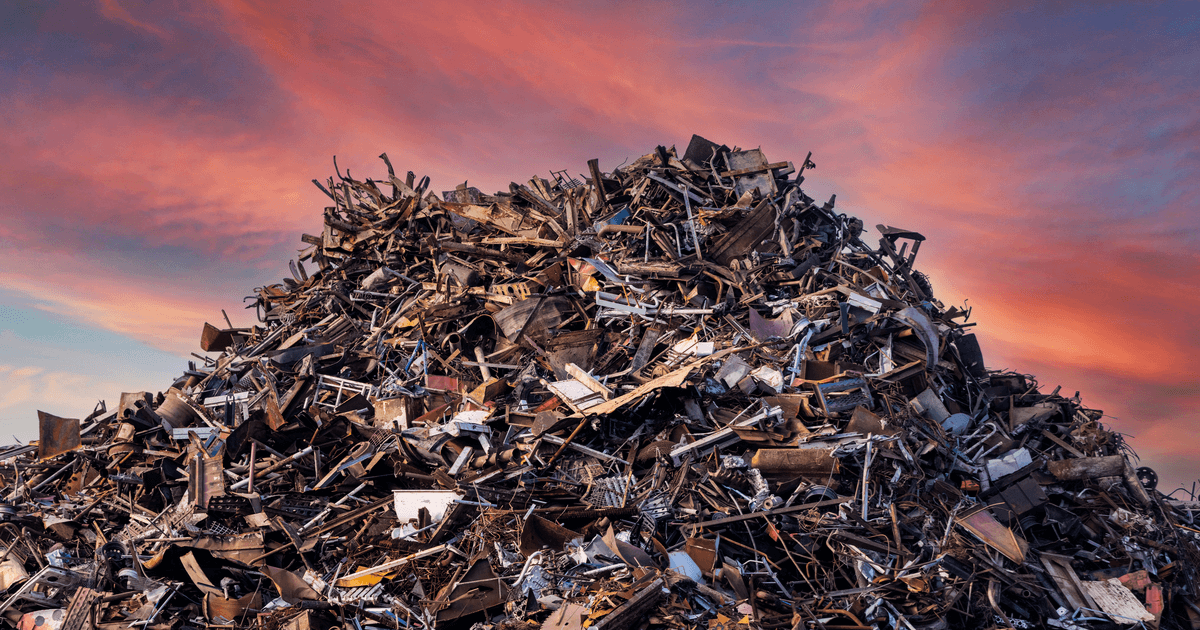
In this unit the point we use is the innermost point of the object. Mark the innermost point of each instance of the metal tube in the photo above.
(687, 204)
(276, 466)
(250, 480)
(628, 229)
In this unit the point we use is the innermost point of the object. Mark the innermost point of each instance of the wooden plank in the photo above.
(1059, 568)
(1059, 441)
(671, 379)
(757, 225)
(507, 240)
(1087, 468)
(628, 614)
(582, 376)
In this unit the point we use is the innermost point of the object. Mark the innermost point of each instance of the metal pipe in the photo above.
(60, 472)
(276, 466)
(628, 229)
(316, 519)
(525, 569)
(678, 251)
(646, 255)
(250, 480)
(687, 204)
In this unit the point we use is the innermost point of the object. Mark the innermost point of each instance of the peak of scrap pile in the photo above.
(679, 394)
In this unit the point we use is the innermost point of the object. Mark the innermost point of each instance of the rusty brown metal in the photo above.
(56, 435)
(684, 394)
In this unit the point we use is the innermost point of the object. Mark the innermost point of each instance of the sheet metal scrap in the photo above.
(680, 394)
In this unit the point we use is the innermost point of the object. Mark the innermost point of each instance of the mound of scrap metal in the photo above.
(680, 394)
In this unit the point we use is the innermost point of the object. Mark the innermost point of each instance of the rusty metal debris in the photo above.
(680, 394)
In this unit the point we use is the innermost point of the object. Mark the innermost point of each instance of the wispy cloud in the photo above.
(59, 392)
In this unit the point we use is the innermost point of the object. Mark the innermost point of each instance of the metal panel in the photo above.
(56, 435)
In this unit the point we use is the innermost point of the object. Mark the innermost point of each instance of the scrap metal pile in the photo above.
(682, 394)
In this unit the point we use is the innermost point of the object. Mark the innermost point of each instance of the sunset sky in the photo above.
(156, 158)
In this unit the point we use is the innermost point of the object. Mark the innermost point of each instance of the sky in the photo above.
(156, 158)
